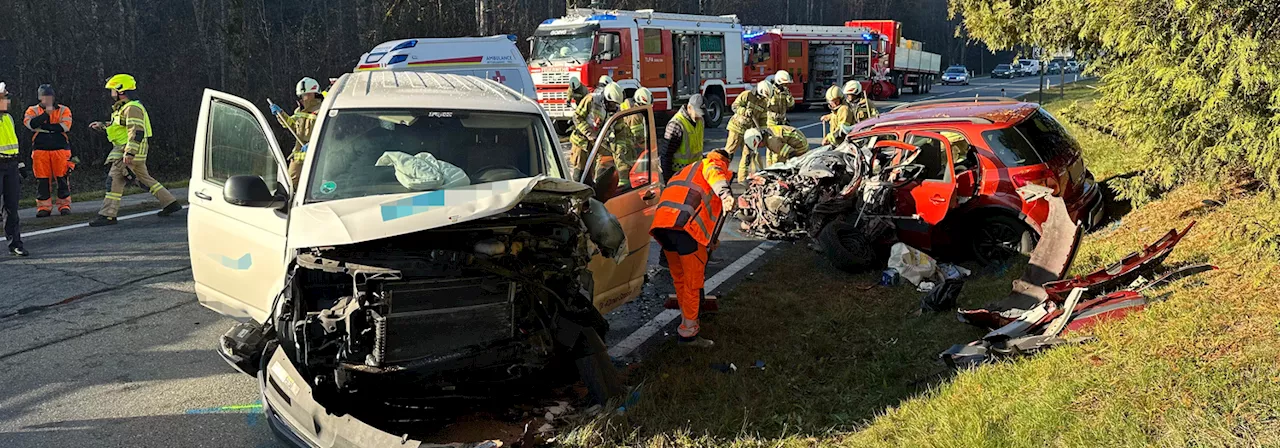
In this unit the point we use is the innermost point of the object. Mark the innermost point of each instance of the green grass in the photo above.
(93, 195)
(852, 366)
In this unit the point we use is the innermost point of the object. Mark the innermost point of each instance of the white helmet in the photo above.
(853, 87)
(782, 77)
(308, 85)
(753, 139)
(833, 93)
(604, 81)
(765, 89)
(770, 79)
(643, 97)
(574, 82)
(613, 93)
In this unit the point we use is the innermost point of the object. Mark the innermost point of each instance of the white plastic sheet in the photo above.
(912, 264)
(423, 171)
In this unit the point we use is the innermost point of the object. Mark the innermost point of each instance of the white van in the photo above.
(1030, 67)
(493, 57)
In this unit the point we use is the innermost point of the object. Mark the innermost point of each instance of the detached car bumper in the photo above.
(297, 419)
(1090, 209)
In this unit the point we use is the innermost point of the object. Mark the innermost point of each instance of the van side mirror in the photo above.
(251, 191)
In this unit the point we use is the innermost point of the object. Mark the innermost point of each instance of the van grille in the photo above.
(427, 318)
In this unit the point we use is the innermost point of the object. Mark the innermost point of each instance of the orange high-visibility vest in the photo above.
(689, 203)
(41, 139)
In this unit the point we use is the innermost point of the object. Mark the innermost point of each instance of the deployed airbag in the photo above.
(423, 171)
(606, 231)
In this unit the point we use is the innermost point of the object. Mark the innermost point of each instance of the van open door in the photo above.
(237, 251)
(626, 179)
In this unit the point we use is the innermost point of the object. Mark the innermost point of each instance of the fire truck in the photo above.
(674, 55)
(822, 56)
(901, 61)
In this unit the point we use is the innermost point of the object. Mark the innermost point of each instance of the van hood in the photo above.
(349, 221)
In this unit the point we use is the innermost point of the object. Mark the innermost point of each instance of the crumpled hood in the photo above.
(356, 220)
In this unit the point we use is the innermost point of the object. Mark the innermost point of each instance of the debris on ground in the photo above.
(1069, 305)
(942, 297)
(724, 367)
(912, 264)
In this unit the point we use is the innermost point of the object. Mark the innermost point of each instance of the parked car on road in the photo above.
(975, 155)
(1004, 71)
(956, 74)
(1055, 67)
(434, 248)
(1073, 67)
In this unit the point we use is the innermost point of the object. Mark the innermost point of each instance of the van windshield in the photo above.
(563, 48)
(375, 152)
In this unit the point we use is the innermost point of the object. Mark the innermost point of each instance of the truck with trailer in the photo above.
(899, 62)
(816, 56)
(673, 55)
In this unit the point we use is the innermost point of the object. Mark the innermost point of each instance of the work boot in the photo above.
(18, 252)
(42, 213)
(64, 211)
(170, 209)
(695, 342)
(102, 221)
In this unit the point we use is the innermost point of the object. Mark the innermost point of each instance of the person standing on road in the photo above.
(779, 143)
(683, 138)
(12, 171)
(588, 120)
(692, 205)
(576, 92)
(749, 112)
(782, 100)
(130, 124)
(300, 124)
(50, 152)
(848, 111)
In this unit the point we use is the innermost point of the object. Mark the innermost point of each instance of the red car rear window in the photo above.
(1037, 139)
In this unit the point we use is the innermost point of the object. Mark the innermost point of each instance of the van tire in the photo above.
(597, 371)
(562, 127)
(715, 110)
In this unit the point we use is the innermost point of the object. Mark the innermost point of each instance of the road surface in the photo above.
(104, 344)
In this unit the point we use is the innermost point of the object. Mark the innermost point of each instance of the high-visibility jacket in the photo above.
(749, 111)
(844, 115)
(779, 104)
(691, 200)
(301, 123)
(48, 130)
(785, 142)
(575, 96)
(588, 117)
(131, 120)
(8, 137)
(684, 142)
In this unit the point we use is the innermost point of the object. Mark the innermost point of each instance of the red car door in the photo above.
(932, 194)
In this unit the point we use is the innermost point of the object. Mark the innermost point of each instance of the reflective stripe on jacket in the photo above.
(690, 203)
(8, 137)
(785, 142)
(49, 132)
(779, 104)
(749, 111)
(587, 119)
(691, 144)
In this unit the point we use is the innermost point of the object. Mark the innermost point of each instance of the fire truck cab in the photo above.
(673, 55)
(816, 56)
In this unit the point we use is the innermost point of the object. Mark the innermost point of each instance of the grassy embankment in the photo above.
(848, 364)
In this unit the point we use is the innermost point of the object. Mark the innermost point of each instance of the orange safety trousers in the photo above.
(689, 273)
(50, 167)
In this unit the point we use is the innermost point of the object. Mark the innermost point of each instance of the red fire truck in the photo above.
(673, 55)
(903, 62)
(822, 56)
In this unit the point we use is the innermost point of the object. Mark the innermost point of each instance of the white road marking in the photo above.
(638, 338)
(85, 224)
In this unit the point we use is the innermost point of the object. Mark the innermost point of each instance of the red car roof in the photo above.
(1005, 113)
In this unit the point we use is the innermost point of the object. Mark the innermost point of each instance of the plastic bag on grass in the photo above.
(911, 263)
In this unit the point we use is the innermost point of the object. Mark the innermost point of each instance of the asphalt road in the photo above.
(104, 344)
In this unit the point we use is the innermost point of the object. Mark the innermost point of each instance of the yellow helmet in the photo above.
(122, 82)
(833, 93)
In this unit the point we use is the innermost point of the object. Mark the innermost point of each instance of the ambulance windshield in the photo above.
(375, 152)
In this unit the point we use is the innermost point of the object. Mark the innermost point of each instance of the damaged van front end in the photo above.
(362, 329)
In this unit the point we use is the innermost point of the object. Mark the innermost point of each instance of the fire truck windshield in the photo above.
(562, 48)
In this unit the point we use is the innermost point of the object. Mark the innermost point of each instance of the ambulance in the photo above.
(673, 55)
(494, 57)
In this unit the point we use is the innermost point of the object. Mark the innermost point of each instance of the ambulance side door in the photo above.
(237, 251)
(632, 197)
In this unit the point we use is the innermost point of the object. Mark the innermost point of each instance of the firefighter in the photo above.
(588, 119)
(627, 150)
(604, 81)
(848, 111)
(749, 111)
(857, 98)
(131, 125)
(12, 171)
(576, 91)
(695, 200)
(782, 100)
(300, 124)
(684, 138)
(780, 142)
(50, 152)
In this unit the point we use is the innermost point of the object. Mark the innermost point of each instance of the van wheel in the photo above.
(846, 247)
(995, 238)
(562, 128)
(597, 371)
(715, 110)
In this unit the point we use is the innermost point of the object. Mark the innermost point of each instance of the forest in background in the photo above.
(259, 49)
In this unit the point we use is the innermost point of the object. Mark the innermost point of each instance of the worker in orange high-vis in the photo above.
(695, 200)
(50, 152)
